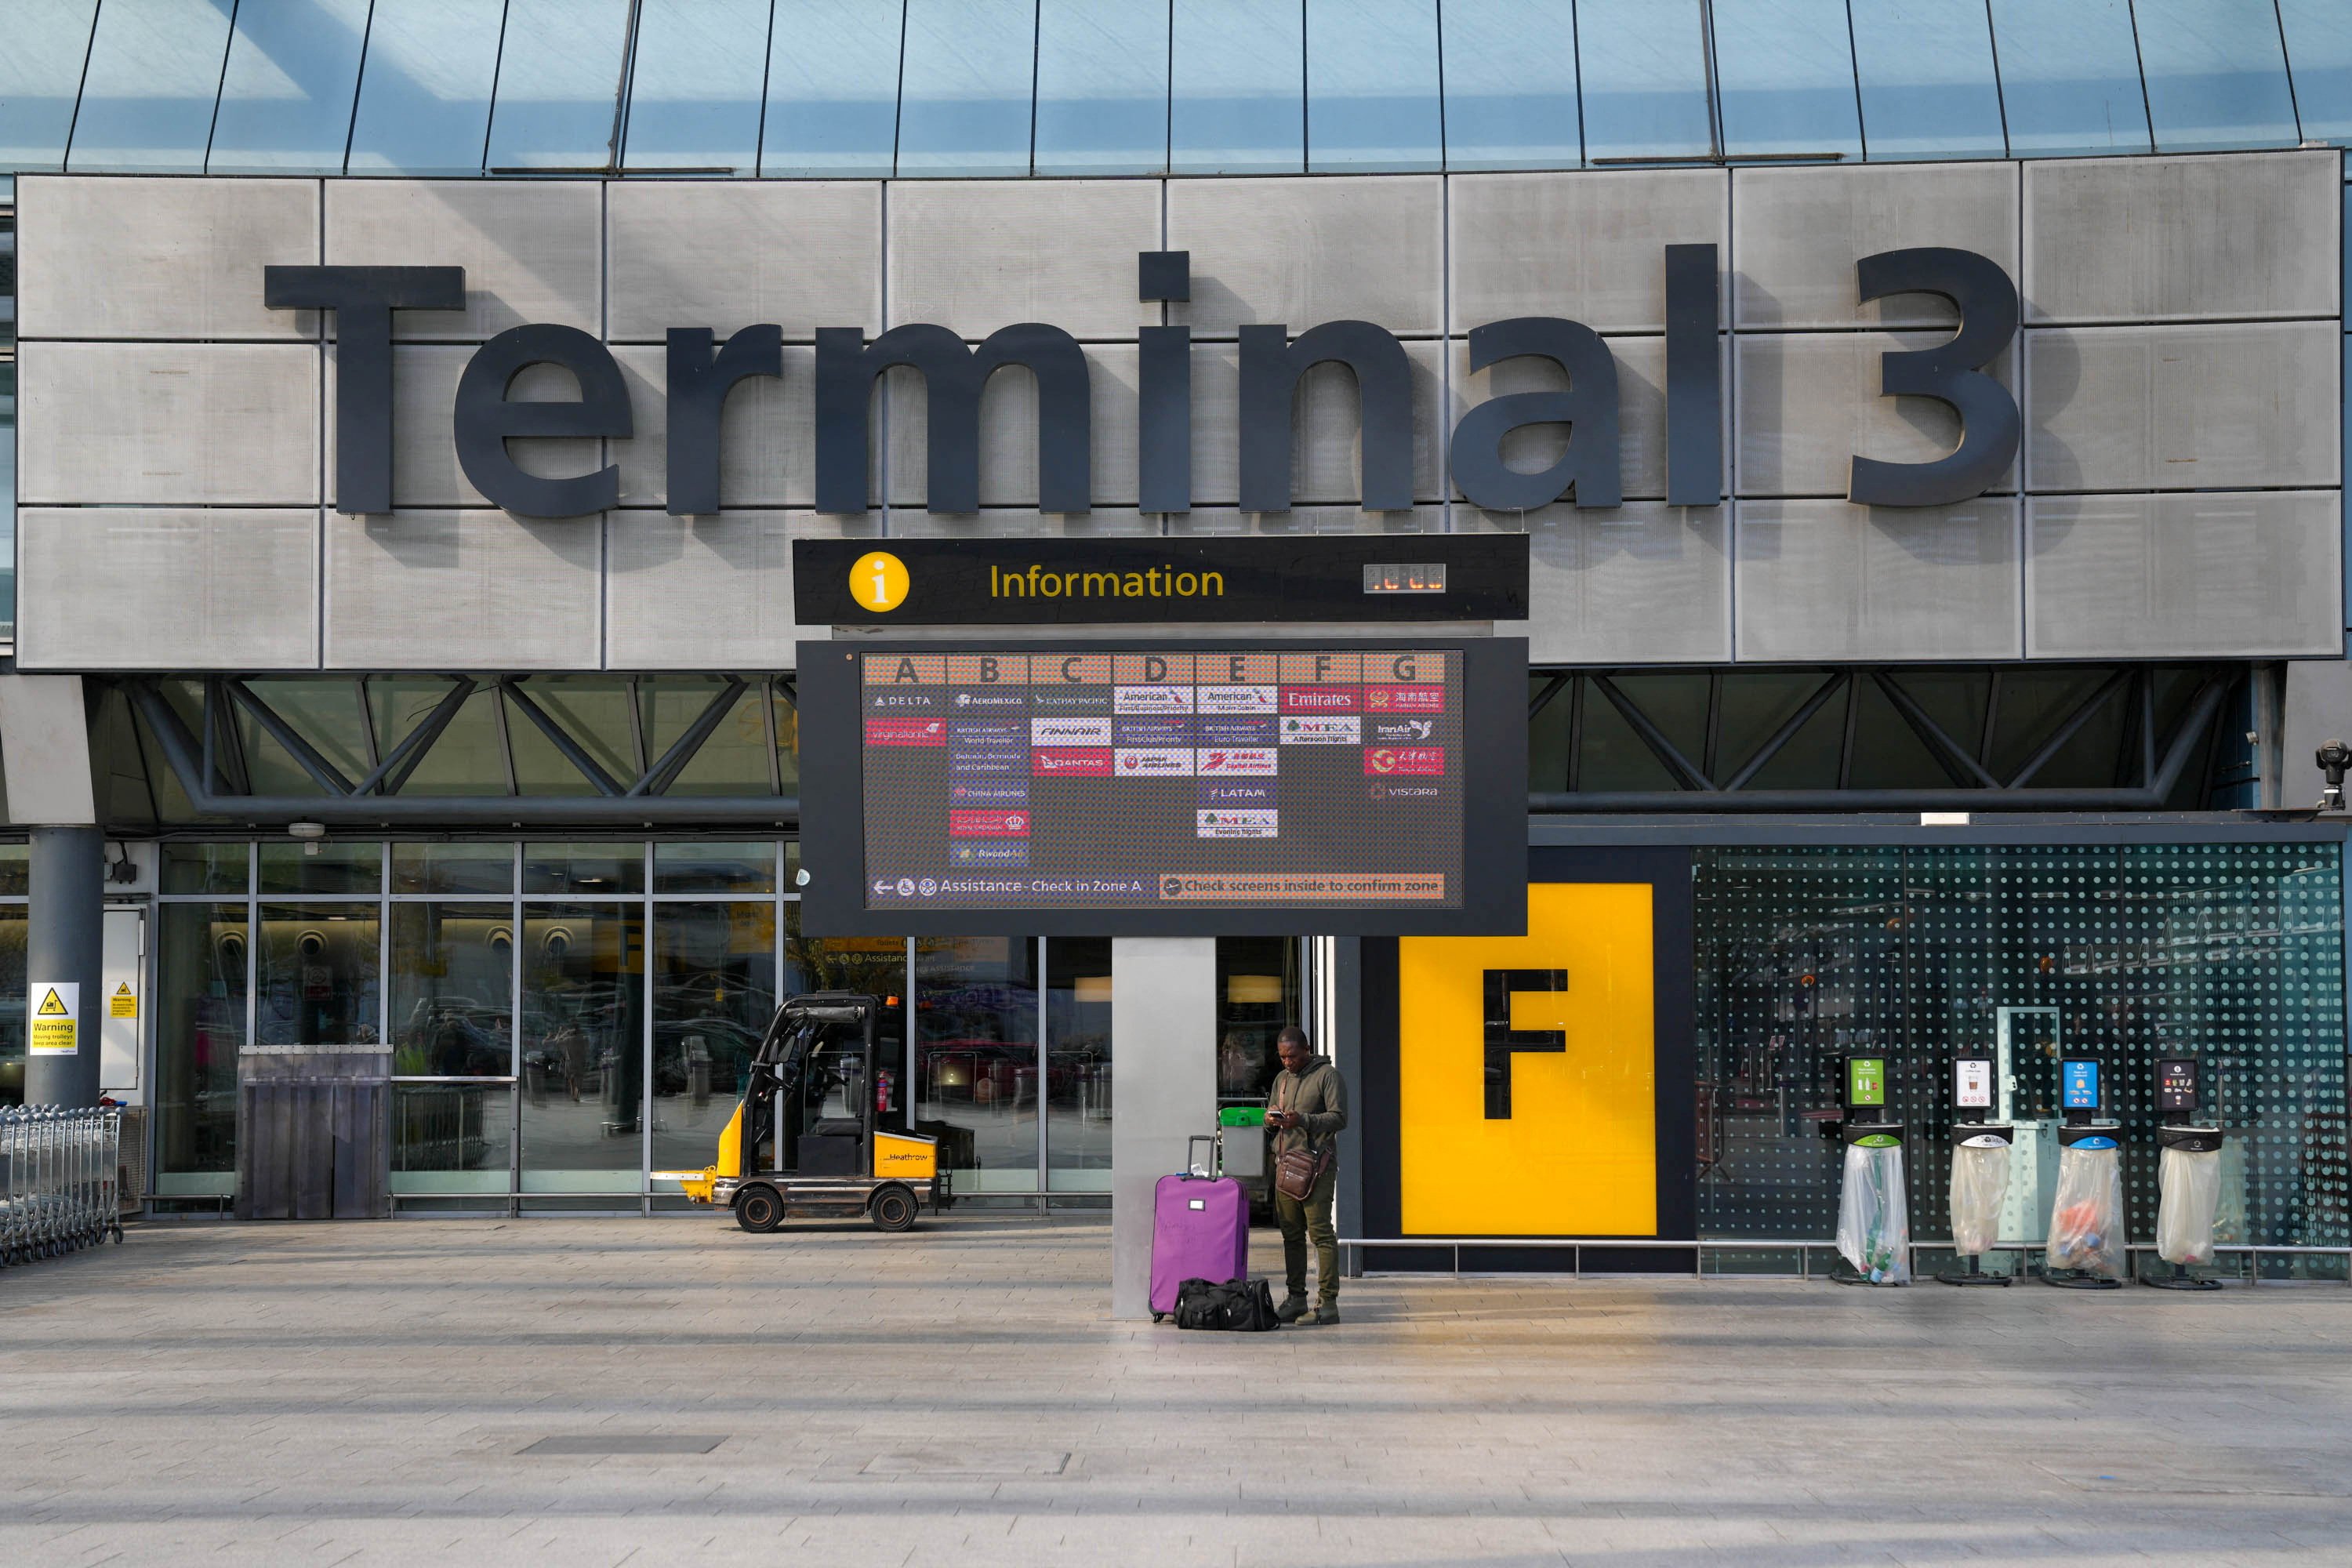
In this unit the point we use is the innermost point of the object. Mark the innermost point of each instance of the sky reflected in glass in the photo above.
(2216, 74)
(1239, 103)
(40, 72)
(153, 77)
(964, 95)
(1371, 86)
(1510, 84)
(695, 93)
(1928, 80)
(1784, 72)
(1644, 69)
(285, 96)
(2319, 62)
(1102, 87)
(832, 90)
(426, 86)
(558, 85)
(2068, 77)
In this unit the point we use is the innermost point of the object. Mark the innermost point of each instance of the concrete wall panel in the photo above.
(1590, 247)
(1023, 522)
(2183, 407)
(168, 424)
(709, 592)
(1304, 252)
(1326, 429)
(2219, 575)
(1797, 234)
(1308, 520)
(977, 255)
(425, 471)
(2165, 240)
(1826, 579)
(1807, 405)
(727, 254)
(1008, 433)
(214, 588)
(767, 434)
(462, 590)
(532, 250)
(1641, 584)
(161, 258)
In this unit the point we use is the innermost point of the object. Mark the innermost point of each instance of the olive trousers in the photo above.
(1306, 1220)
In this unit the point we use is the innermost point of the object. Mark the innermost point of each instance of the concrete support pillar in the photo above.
(64, 943)
(1163, 1012)
(45, 745)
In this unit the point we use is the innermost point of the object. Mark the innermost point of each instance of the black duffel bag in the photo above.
(1245, 1305)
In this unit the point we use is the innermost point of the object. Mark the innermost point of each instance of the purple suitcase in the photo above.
(1200, 1230)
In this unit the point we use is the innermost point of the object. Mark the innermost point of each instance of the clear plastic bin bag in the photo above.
(1873, 1231)
(2189, 1191)
(2086, 1218)
(1980, 1188)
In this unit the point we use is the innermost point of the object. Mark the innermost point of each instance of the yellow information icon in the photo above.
(879, 581)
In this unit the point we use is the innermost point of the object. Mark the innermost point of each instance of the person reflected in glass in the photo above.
(1305, 1111)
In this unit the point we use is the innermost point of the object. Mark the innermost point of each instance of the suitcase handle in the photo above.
(1216, 1156)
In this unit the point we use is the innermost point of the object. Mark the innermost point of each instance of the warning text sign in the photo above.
(56, 1017)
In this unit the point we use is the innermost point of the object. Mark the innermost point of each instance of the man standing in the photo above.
(1304, 1113)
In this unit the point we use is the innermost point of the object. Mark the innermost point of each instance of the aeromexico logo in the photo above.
(702, 371)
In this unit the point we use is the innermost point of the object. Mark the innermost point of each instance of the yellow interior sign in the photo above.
(124, 1002)
(1527, 1072)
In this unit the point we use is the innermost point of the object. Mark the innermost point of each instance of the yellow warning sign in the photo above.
(55, 1021)
(122, 1004)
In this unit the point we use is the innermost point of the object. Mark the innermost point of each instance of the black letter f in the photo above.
(1502, 1039)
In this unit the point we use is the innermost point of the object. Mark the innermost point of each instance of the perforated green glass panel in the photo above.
(2230, 953)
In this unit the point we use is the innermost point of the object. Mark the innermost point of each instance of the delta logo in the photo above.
(1070, 762)
(1386, 759)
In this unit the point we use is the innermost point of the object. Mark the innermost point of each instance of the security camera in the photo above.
(2335, 758)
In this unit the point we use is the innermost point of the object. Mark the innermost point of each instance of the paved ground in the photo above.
(373, 1394)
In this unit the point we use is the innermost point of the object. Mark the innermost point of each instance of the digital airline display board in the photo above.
(1337, 787)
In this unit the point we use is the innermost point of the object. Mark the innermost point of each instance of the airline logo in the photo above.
(1260, 760)
(987, 732)
(1152, 699)
(1400, 732)
(1318, 700)
(1070, 699)
(1153, 762)
(1005, 760)
(1380, 760)
(1314, 731)
(1404, 698)
(906, 732)
(1070, 762)
(1236, 699)
(966, 793)
(1240, 794)
(1069, 731)
(1154, 733)
(903, 701)
(988, 823)
(1256, 731)
(976, 852)
(1236, 824)
(991, 700)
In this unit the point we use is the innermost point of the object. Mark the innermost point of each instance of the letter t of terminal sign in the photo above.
(1503, 1042)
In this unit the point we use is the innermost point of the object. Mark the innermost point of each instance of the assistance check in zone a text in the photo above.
(1160, 777)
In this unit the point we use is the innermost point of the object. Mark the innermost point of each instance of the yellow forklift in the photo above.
(804, 1141)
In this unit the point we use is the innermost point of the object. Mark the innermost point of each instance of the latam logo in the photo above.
(1243, 794)
(906, 732)
(1249, 759)
(1385, 760)
(1404, 700)
(1070, 762)
(1318, 700)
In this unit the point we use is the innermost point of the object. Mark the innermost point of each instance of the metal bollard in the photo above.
(59, 1179)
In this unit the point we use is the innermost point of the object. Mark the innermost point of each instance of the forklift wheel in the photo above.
(759, 1210)
(893, 1208)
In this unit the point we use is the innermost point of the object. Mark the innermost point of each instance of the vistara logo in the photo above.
(878, 581)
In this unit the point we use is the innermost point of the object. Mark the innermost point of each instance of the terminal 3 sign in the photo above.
(701, 372)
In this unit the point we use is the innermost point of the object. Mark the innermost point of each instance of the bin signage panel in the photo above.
(1972, 1083)
(56, 1028)
(2176, 1084)
(2079, 1086)
(1866, 1081)
(1572, 1148)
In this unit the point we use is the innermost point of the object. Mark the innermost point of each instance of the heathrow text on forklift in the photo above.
(702, 371)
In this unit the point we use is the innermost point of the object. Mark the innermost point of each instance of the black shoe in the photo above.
(1293, 1307)
(1320, 1318)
